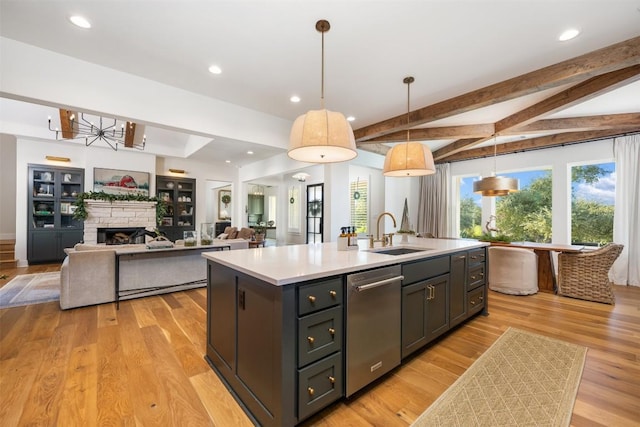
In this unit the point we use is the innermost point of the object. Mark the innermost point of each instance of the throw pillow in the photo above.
(222, 236)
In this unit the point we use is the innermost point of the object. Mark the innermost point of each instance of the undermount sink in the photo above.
(399, 251)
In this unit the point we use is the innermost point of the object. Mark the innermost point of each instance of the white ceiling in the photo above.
(269, 50)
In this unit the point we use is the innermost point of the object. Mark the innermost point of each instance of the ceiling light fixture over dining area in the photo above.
(493, 185)
(322, 136)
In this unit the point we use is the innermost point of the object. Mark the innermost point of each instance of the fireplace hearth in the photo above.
(121, 235)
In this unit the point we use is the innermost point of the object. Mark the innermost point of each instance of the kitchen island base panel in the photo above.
(281, 346)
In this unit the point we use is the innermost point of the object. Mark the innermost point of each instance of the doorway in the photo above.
(315, 211)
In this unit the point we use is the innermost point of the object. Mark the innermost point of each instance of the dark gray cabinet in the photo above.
(180, 196)
(279, 348)
(433, 305)
(51, 227)
(458, 289)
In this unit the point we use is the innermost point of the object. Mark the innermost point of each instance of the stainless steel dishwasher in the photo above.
(373, 325)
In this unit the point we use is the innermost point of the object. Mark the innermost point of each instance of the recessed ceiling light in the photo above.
(80, 21)
(227, 161)
(214, 69)
(249, 152)
(294, 98)
(568, 34)
(350, 118)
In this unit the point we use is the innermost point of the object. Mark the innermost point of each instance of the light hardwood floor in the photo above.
(143, 365)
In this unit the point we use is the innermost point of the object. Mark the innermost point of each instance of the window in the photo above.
(526, 214)
(359, 205)
(468, 207)
(593, 190)
(294, 209)
(272, 201)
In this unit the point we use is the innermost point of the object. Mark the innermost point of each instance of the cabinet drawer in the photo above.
(475, 276)
(319, 295)
(426, 269)
(319, 335)
(476, 255)
(319, 385)
(476, 300)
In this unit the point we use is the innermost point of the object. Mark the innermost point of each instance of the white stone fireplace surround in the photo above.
(117, 214)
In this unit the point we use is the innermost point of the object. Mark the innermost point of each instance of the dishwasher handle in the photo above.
(379, 283)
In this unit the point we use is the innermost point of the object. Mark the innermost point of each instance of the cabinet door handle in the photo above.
(311, 340)
(332, 331)
(332, 380)
(333, 294)
(311, 391)
(312, 299)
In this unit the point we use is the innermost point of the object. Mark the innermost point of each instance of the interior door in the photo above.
(315, 211)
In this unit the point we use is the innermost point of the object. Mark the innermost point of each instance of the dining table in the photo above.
(546, 271)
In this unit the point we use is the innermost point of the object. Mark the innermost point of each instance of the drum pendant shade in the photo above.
(322, 136)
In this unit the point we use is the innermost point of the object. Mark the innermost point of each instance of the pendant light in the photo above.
(322, 136)
(409, 158)
(495, 185)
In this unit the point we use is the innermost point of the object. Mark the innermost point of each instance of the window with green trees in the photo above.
(593, 189)
(526, 215)
(470, 208)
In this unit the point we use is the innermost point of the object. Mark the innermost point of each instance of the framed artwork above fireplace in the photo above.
(116, 181)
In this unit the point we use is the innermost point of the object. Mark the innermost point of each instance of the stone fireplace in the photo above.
(117, 214)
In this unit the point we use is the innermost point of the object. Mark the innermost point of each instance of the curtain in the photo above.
(626, 218)
(434, 211)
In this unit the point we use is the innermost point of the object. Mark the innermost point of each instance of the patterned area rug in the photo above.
(523, 379)
(26, 289)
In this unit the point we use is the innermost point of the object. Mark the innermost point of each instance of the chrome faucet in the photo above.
(384, 236)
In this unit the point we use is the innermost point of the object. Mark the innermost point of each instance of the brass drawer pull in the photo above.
(332, 380)
(332, 331)
(474, 257)
(333, 294)
(462, 257)
(311, 340)
(311, 391)
(473, 277)
(473, 302)
(481, 297)
(312, 299)
(481, 274)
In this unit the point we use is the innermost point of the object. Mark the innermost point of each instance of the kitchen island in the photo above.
(280, 320)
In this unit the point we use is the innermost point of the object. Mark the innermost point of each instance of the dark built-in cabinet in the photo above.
(50, 226)
(180, 196)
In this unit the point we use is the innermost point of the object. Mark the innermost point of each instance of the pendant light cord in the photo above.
(322, 75)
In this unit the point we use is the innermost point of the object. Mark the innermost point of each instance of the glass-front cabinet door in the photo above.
(51, 226)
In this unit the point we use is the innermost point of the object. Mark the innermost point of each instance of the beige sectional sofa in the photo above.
(88, 273)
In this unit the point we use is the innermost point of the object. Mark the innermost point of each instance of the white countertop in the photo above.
(283, 265)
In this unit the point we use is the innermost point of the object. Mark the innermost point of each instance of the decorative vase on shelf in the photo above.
(207, 232)
(190, 238)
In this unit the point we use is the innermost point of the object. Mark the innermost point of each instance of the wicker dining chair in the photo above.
(585, 275)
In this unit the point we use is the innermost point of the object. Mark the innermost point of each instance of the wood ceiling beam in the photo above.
(375, 148)
(444, 132)
(129, 134)
(568, 124)
(579, 93)
(611, 58)
(536, 143)
(575, 124)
